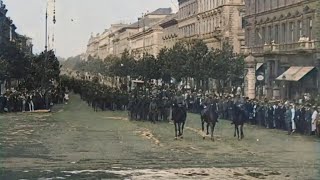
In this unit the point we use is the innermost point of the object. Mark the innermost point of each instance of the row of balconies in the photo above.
(283, 48)
(170, 36)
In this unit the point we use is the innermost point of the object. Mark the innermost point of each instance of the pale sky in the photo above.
(88, 16)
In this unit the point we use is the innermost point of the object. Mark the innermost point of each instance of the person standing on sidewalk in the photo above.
(314, 119)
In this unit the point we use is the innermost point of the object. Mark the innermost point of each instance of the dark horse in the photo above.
(179, 117)
(239, 117)
(209, 116)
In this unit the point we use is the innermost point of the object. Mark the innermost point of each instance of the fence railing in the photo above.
(287, 47)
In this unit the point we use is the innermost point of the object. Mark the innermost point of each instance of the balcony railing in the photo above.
(283, 48)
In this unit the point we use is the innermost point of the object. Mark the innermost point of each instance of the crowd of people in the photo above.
(155, 104)
(22, 100)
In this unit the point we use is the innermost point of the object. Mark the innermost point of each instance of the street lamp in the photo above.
(284, 78)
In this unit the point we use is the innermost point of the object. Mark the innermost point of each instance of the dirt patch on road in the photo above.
(146, 133)
(118, 118)
(186, 173)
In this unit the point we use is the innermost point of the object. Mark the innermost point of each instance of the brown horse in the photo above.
(209, 116)
(179, 117)
(239, 118)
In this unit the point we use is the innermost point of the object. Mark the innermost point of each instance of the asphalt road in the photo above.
(74, 142)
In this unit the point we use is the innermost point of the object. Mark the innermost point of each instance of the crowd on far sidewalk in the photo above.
(22, 100)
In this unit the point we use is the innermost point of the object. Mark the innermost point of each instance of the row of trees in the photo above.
(186, 60)
(31, 71)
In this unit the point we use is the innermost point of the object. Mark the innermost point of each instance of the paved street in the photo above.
(75, 143)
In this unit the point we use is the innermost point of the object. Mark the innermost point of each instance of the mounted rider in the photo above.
(210, 100)
(179, 102)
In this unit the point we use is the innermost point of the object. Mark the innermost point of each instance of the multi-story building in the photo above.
(187, 19)
(149, 38)
(283, 37)
(220, 21)
(143, 36)
(106, 47)
(170, 31)
(93, 46)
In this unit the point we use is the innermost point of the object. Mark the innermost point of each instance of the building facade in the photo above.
(187, 19)
(143, 36)
(149, 37)
(283, 36)
(220, 21)
(170, 35)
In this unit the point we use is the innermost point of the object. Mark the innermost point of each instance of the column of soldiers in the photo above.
(156, 104)
(152, 105)
(99, 96)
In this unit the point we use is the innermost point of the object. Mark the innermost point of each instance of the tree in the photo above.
(178, 61)
(164, 64)
(225, 66)
(197, 53)
(45, 68)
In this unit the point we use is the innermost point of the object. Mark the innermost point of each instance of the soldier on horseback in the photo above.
(179, 102)
(179, 114)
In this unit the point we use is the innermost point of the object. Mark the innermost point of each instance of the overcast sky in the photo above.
(76, 19)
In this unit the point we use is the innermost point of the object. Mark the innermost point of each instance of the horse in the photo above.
(239, 117)
(209, 116)
(179, 117)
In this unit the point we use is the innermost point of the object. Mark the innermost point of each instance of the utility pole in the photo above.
(45, 49)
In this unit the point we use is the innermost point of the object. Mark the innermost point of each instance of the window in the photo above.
(291, 26)
(270, 38)
(276, 34)
(247, 37)
(263, 34)
(257, 37)
(300, 33)
(284, 33)
(309, 29)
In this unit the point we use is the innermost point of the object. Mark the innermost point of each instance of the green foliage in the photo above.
(187, 59)
(16, 62)
(28, 69)
(44, 68)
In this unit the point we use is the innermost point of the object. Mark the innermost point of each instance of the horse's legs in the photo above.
(202, 123)
(182, 128)
(238, 134)
(212, 124)
(235, 129)
(208, 124)
(179, 129)
(175, 130)
(241, 129)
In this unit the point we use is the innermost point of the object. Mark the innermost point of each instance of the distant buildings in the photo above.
(213, 21)
(145, 35)
(282, 38)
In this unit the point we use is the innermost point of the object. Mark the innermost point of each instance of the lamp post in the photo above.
(284, 89)
(45, 50)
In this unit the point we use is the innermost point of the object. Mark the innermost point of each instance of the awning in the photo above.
(295, 73)
(259, 65)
